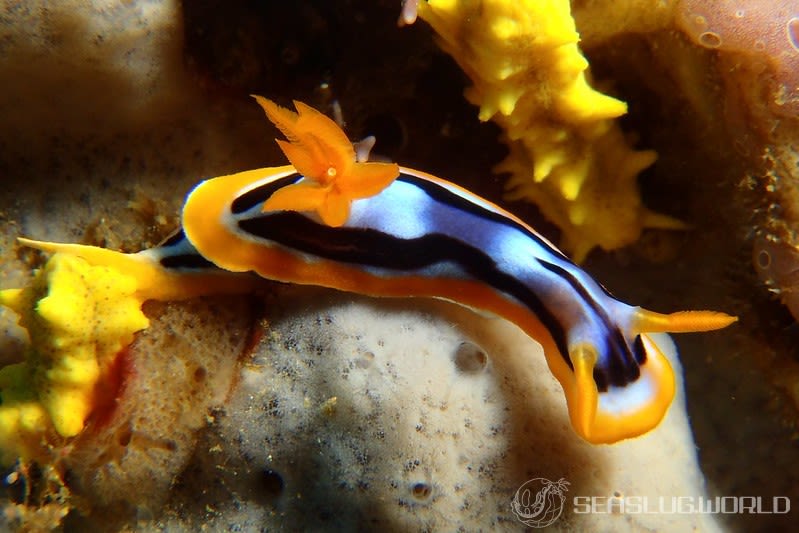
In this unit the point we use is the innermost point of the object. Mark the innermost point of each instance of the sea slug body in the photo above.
(384, 230)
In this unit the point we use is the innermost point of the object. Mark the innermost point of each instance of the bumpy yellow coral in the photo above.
(78, 317)
(567, 154)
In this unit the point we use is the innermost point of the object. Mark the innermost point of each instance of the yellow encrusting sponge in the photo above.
(567, 154)
(78, 317)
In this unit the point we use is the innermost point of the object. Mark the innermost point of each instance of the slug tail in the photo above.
(153, 282)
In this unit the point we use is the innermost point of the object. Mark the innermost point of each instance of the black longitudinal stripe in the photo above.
(622, 365)
(251, 198)
(447, 197)
(639, 350)
(631, 363)
(442, 194)
(189, 261)
(373, 248)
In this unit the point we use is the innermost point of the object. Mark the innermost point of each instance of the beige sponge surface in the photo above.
(411, 415)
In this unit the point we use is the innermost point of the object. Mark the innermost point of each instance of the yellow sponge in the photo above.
(78, 317)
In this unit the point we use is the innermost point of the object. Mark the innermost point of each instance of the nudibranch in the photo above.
(384, 230)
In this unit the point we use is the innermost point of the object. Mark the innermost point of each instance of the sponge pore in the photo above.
(762, 28)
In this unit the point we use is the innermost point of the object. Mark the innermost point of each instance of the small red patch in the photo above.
(109, 389)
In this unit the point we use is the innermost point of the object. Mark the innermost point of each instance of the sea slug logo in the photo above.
(539, 501)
